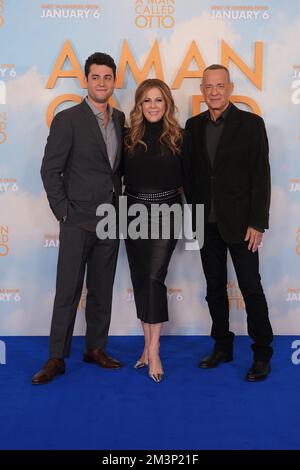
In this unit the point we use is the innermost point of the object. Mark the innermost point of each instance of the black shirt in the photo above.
(213, 133)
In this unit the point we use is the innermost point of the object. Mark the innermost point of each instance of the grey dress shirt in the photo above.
(108, 133)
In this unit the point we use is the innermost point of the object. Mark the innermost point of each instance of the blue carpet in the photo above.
(93, 408)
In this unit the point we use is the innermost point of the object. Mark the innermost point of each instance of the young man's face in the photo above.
(100, 83)
(216, 89)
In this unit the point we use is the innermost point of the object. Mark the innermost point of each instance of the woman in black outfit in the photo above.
(156, 169)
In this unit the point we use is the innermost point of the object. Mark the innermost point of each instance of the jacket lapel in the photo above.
(202, 141)
(119, 137)
(230, 128)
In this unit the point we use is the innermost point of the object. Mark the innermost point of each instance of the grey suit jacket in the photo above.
(76, 172)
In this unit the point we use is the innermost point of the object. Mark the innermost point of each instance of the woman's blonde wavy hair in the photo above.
(171, 136)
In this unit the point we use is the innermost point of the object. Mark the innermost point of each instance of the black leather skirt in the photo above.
(149, 257)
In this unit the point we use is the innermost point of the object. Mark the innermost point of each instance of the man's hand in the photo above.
(254, 237)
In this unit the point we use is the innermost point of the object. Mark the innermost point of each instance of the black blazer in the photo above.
(240, 177)
(76, 172)
(186, 164)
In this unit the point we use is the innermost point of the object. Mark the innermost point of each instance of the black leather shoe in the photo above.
(259, 371)
(215, 359)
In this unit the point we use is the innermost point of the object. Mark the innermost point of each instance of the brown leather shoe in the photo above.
(50, 369)
(101, 358)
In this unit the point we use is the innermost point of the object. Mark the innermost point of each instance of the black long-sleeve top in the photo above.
(151, 170)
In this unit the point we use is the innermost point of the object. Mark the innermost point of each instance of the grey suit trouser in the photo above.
(81, 251)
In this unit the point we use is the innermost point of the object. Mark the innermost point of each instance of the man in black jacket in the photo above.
(80, 171)
(232, 179)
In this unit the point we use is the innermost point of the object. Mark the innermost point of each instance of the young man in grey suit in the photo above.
(232, 179)
(80, 171)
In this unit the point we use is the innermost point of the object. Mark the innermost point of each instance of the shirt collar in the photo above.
(222, 116)
(96, 111)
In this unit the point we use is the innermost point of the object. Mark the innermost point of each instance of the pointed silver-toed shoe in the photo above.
(140, 364)
(156, 377)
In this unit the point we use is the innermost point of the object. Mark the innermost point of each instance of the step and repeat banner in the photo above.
(43, 49)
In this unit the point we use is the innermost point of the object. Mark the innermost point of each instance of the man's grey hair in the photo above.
(217, 67)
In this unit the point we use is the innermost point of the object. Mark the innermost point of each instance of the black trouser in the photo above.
(79, 249)
(246, 265)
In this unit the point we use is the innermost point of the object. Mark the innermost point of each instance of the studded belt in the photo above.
(154, 197)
